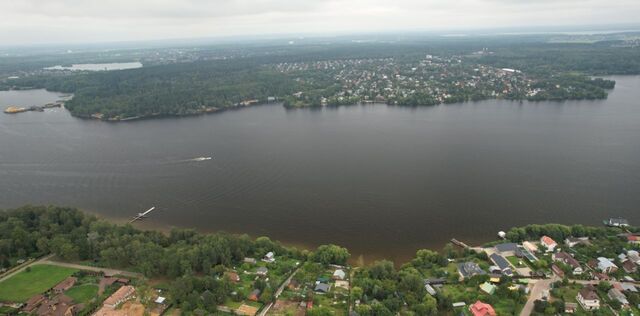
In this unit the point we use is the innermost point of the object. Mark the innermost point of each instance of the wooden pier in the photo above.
(459, 243)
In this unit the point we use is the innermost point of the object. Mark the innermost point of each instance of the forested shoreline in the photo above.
(194, 262)
(344, 74)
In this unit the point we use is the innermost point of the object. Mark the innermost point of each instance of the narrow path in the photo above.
(286, 282)
(47, 260)
(90, 268)
(16, 271)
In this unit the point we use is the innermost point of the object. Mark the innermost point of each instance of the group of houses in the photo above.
(54, 302)
(506, 259)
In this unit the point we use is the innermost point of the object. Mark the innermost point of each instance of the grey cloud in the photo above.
(90, 20)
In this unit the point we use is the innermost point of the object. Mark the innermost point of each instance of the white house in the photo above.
(262, 271)
(269, 257)
(606, 266)
(573, 241)
(549, 243)
(588, 298)
(339, 274)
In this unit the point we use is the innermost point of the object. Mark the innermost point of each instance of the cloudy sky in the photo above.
(50, 21)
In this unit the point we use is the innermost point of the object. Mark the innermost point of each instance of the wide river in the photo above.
(383, 181)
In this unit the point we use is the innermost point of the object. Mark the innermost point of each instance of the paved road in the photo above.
(535, 294)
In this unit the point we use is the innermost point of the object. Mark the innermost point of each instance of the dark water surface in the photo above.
(380, 180)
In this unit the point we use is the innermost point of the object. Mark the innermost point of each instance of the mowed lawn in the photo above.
(82, 293)
(24, 285)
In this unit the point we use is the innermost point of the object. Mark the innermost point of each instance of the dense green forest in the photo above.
(209, 79)
(188, 258)
(175, 89)
(592, 59)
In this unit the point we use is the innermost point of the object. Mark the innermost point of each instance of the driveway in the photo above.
(535, 294)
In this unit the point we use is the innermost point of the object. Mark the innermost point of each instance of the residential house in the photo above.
(601, 276)
(488, 288)
(232, 276)
(569, 260)
(634, 256)
(269, 257)
(342, 284)
(502, 263)
(573, 241)
(632, 239)
(249, 260)
(262, 271)
(60, 305)
(629, 267)
(528, 254)
(254, 295)
(588, 298)
(33, 303)
(123, 294)
(627, 287)
(322, 287)
(606, 266)
(430, 289)
(508, 249)
(322, 279)
(107, 281)
(339, 274)
(548, 243)
(64, 285)
(557, 270)
(435, 281)
(495, 270)
(469, 269)
(531, 247)
(617, 295)
(482, 309)
(570, 308)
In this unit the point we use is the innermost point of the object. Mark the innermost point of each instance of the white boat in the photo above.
(202, 158)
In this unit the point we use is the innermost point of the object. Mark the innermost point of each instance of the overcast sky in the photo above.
(50, 21)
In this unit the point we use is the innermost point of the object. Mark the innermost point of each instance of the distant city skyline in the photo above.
(72, 21)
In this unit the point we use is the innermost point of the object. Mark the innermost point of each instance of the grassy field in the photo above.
(24, 285)
(83, 293)
(515, 261)
(568, 293)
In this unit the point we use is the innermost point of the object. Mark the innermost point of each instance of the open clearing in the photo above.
(83, 293)
(24, 285)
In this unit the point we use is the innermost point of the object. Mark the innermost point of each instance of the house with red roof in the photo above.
(482, 309)
(549, 243)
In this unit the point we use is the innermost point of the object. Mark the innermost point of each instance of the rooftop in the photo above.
(548, 241)
(122, 293)
(589, 293)
(482, 309)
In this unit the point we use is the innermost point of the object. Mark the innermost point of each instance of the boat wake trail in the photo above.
(197, 159)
